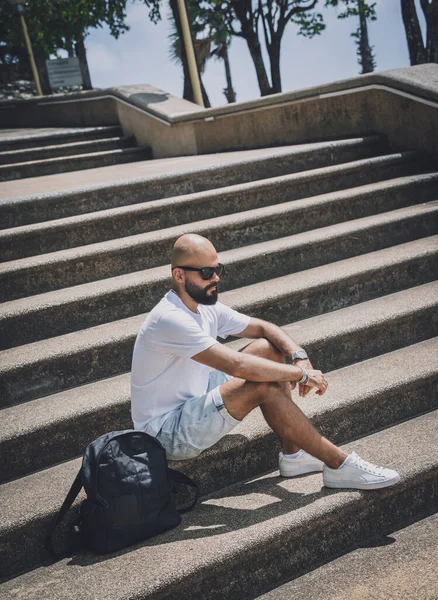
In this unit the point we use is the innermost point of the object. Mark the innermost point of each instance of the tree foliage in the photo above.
(249, 19)
(56, 24)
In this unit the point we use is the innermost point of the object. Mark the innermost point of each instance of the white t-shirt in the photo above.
(163, 374)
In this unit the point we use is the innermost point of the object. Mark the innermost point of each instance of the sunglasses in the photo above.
(206, 272)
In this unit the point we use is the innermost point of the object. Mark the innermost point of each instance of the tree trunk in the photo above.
(256, 54)
(69, 47)
(274, 59)
(417, 51)
(430, 10)
(366, 55)
(40, 61)
(229, 92)
(187, 89)
(432, 41)
(254, 47)
(81, 53)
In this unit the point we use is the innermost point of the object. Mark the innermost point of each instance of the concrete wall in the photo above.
(74, 111)
(402, 104)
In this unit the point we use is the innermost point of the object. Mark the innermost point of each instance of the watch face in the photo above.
(300, 354)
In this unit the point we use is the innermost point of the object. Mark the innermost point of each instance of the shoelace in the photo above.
(366, 466)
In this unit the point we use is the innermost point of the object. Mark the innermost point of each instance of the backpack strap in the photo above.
(178, 477)
(69, 499)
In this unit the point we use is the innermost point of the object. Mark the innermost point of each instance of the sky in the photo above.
(141, 55)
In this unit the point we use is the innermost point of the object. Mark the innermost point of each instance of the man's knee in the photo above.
(241, 397)
(262, 391)
(265, 349)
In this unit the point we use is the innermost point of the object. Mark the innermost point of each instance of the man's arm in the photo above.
(258, 328)
(254, 368)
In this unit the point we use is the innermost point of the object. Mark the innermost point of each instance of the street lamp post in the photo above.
(19, 7)
(190, 53)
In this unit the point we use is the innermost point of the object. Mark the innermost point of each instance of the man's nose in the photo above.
(215, 277)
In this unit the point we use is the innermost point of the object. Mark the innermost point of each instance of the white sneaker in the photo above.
(303, 463)
(358, 474)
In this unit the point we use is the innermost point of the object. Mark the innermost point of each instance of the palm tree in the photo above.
(366, 12)
(221, 37)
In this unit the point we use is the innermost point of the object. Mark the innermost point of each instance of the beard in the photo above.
(199, 294)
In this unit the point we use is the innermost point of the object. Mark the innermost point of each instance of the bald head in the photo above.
(193, 250)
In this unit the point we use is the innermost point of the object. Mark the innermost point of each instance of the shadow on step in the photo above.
(269, 497)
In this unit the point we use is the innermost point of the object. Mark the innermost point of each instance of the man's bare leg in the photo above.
(281, 413)
(264, 349)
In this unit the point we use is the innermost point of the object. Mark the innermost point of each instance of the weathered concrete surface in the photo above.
(72, 110)
(75, 266)
(401, 103)
(400, 566)
(271, 529)
(248, 536)
(62, 424)
(23, 320)
(15, 139)
(362, 398)
(363, 176)
(64, 149)
(62, 164)
(61, 196)
(33, 370)
(14, 191)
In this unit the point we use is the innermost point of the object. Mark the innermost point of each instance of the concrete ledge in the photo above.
(421, 80)
(267, 529)
(378, 102)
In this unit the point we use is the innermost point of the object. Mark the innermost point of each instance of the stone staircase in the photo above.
(59, 151)
(337, 242)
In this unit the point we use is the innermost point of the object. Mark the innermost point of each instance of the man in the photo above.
(188, 390)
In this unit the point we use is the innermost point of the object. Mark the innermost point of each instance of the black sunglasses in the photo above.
(206, 272)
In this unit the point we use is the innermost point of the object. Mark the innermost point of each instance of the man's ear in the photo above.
(178, 275)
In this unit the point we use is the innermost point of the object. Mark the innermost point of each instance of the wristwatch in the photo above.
(299, 354)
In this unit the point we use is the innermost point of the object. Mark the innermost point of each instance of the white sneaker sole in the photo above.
(300, 471)
(360, 485)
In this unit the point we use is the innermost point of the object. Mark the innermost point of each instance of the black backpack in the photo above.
(126, 479)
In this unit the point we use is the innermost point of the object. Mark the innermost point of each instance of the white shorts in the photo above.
(198, 423)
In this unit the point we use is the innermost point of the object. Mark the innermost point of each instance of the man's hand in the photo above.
(316, 380)
(303, 390)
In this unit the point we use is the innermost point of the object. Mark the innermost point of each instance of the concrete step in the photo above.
(187, 175)
(75, 266)
(69, 232)
(62, 424)
(398, 566)
(262, 529)
(48, 137)
(46, 367)
(65, 149)
(58, 312)
(78, 162)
